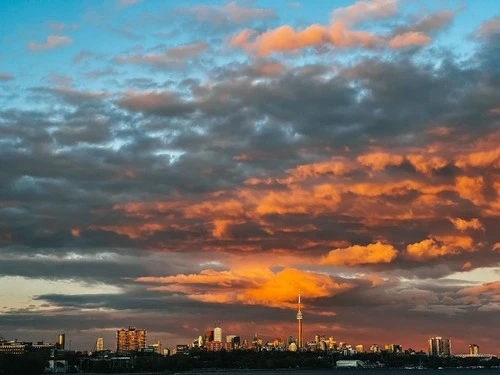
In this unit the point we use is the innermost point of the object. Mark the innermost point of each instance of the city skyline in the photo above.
(166, 165)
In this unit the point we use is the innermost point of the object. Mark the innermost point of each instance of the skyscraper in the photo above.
(439, 346)
(217, 333)
(99, 345)
(474, 349)
(130, 340)
(61, 341)
(300, 342)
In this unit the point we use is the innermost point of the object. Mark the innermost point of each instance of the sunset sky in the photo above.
(167, 164)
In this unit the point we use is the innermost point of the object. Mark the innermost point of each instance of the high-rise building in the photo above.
(360, 349)
(156, 347)
(61, 341)
(218, 333)
(439, 347)
(474, 349)
(375, 348)
(300, 340)
(393, 348)
(209, 335)
(130, 340)
(99, 345)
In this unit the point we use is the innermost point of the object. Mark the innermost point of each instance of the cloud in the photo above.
(231, 13)
(409, 39)
(6, 77)
(488, 28)
(158, 103)
(427, 164)
(52, 41)
(170, 57)
(127, 3)
(61, 27)
(366, 11)
(486, 288)
(358, 255)
(251, 286)
(439, 246)
(379, 160)
(462, 225)
(286, 39)
(470, 188)
(480, 159)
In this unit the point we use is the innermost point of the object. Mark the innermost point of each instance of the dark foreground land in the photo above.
(201, 361)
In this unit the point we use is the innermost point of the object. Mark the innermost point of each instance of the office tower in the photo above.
(300, 342)
(61, 341)
(156, 347)
(375, 348)
(121, 340)
(360, 349)
(99, 345)
(140, 340)
(217, 332)
(230, 340)
(130, 340)
(209, 335)
(393, 348)
(474, 349)
(439, 347)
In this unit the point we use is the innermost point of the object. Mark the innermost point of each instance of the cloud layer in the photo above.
(209, 167)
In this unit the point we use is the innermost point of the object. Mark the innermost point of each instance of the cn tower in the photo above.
(300, 342)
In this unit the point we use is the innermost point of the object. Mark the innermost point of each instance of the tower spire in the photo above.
(300, 342)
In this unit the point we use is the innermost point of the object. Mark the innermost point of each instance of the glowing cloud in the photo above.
(470, 188)
(409, 39)
(286, 39)
(357, 255)
(462, 225)
(439, 246)
(379, 160)
(251, 286)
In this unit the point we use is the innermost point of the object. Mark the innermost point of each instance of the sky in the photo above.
(166, 164)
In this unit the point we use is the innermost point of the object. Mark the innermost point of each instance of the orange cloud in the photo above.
(487, 288)
(440, 131)
(322, 198)
(467, 266)
(335, 167)
(409, 39)
(462, 225)
(132, 231)
(251, 286)
(356, 255)
(379, 160)
(496, 247)
(75, 232)
(286, 39)
(229, 209)
(480, 159)
(470, 188)
(439, 246)
(426, 164)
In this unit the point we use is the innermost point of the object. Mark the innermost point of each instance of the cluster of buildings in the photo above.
(135, 340)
